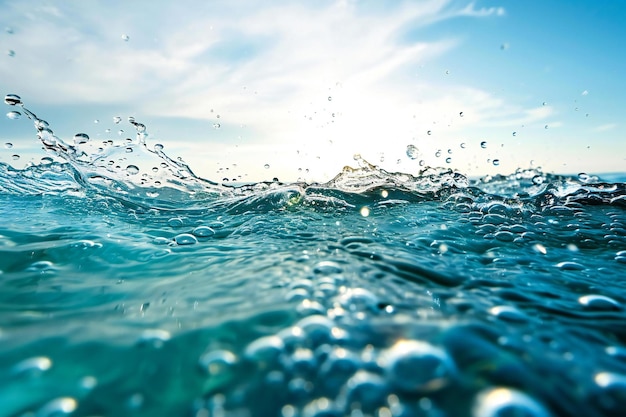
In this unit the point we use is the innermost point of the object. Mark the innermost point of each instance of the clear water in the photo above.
(131, 287)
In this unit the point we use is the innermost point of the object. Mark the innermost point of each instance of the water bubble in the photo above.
(570, 266)
(35, 364)
(203, 231)
(8, 145)
(132, 169)
(483, 144)
(11, 53)
(264, 350)
(599, 302)
(81, 138)
(365, 211)
(117, 119)
(266, 166)
(367, 390)
(500, 402)
(217, 361)
(58, 407)
(13, 100)
(412, 365)
(185, 239)
(125, 38)
(412, 151)
(496, 162)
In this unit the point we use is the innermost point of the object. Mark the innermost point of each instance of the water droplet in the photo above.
(330, 98)
(496, 162)
(117, 119)
(483, 144)
(96, 121)
(365, 211)
(216, 125)
(514, 133)
(448, 160)
(15, 157)
(185, 239)
(599, 302)
(538, 179)
(8, 145)
(265, 350)
(429, 133)
(13, 100)
(462, 145)
(583, 177)
(498, 402)
(125, 38)
(438, 153)
(461, 114)
(266, 166)
(81, 138)
(544, 103)
(158, 147)
(412, 365)
(14, 115)
(545, 127)
(412, 152)
(132, 169)
(570, 266)
(8, 30)
(140, 127)
(11, 53)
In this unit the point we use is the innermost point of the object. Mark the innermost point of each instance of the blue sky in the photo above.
(303, 86)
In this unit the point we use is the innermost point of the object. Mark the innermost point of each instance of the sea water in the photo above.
(131, 287)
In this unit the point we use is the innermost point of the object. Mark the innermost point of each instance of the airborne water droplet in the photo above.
(496, 162)
(12, 99)
(132, 169)
(11, 52)
(8, 145)
(448, 160)
(14, 115)
(266, 166)
(483, 144)
(412, 152)
(117, 119)
(125, 38)
(81, 138)
(15, 157)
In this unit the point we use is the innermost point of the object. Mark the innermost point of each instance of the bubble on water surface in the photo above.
(501, 402)
(264, 350)
(217, 361)
(35, 364)
(13, 100)
(412, 151)
(203, 231)
(416, 366)
(14, 115)
(58, 407)
(185, 239)
(599, 302)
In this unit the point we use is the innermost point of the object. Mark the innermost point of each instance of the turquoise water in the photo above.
(131, 287)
